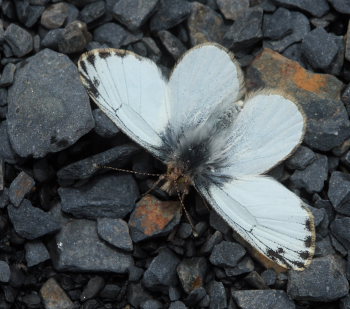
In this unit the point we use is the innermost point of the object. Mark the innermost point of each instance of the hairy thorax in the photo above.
(176, 181)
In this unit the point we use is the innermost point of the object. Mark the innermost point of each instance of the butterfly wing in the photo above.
(268, 216)
(131, 90)
(205, 77)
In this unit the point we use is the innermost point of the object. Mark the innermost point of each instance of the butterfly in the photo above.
(194, 123)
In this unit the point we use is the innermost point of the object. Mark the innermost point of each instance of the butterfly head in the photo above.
(176, 180)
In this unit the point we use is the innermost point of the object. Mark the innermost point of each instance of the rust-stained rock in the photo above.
(21, 185)
(328, 124)
(54, 296)
(152, 218)
(191, 273)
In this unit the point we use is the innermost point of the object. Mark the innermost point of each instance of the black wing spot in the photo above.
(304, 254)
(83, 66)
(91, 87)
(308, 225)
(104, 54)
(91, 58)
(96, 82)
(308, 241)
(298, 264)
(280, 250)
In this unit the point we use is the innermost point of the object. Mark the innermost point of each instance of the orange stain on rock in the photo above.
(154, 214)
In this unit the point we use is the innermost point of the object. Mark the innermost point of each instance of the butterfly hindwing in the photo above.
(268, 216)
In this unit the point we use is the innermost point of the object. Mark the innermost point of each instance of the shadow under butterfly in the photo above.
(194, 123)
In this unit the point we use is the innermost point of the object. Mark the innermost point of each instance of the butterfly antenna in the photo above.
(155, 184)
(126, 171)
(194, 231)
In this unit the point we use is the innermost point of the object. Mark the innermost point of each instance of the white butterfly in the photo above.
(193, 123)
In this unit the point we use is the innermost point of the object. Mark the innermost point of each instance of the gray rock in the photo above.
(132, 13)
(172, 44)
(54, 297)
(227, 254)
(232, 9)
(6, 151)
(324, 247)
(217, 295)
(104, 126)
(169, 14)
(300, 27)
(111, 196)
(151, 304)
(48, 107)
(92, 288)
(278, 25)
(312, 178)
(28, 14)
(320, 48)
(341, 6)
(301, 158)
(114, 35)
(117, 156)
(5, 272)
(136, 295)
(78, 248)
(323, 280)
(344, 303)
(204, 25)
(19, 187)
(317, 9)
(340, 228)
(218, 223)
(36, 253)
(110, 292)
(246, 265)
(55, 15)
(177, 305)
(19, 39)
(74, 38)
(293, 52)
(254, 280)
(192, 272)
(7, 75)
(52, 38)
(246, 30)
(195, 297)
(3, 97)
(262, 299)
(31, 222)
(115, 232)
(339, 192)
(92, 12)
(161, 273)
(213, 240)
(269, 276)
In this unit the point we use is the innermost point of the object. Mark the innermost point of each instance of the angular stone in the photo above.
(217, 295)
(5, 272)
(19, 187)
(246, 30)
(74, 38)
(6, 151)
(322, 281)
(115, 232)
(177, 305)
(301, 158)
(28, 14)
(204, 25)
(111, 196)
(318, 94)
(55, 15)
(104, 126)
(133, 13)
(36, 253)
(7, 75)
(169, 14)
(46, 112)
(300, 27)
(92, 11)
(78, 248)
(52, 38)
(277, 25)
(227, 254)
(317, 9)
(320, 48)
(32, 222)
(340, 228)
(161, 273)
(54, 297)
(153, 218)
(312, 178)
(117, 156)
(246, 265)
(172, 44)
(151, 304)
(136, 294)
(114, 35)
(341, 6)
(339, 192)
(258, 299)
(19, 39)
(192, 272)
(91, 289)
(232, 9)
